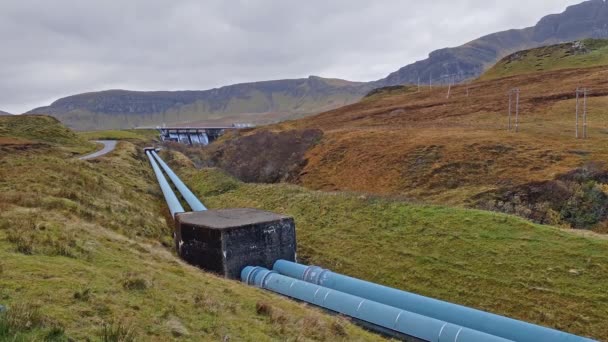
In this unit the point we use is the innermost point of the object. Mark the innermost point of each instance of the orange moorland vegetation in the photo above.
(426, 146)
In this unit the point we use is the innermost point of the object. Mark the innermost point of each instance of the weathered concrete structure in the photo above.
(225, 241)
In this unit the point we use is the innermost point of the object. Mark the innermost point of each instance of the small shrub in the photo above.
(133, 283)
(56, 334)
(117, 332)
(263, 309)
(25, 246)
(213, 306)
(18, 319)
(586, 207)
(83, 295)
(338, 329)
(277, 316)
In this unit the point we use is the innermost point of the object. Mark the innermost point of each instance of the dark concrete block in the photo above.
(225, 241)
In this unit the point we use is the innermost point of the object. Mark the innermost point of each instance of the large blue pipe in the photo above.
(492, 324)
(385, 316)
(194, 203)
(172, 201)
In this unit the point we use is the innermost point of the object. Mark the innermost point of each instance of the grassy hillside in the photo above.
(85, 254)
(257, 102)
(490, 261)
(40, 130)
(457, 150)
(133, 135)
(579, 54)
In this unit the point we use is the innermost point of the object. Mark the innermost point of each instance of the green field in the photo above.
(486, 260)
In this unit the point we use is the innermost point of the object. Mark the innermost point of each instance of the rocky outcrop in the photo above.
(586, 20)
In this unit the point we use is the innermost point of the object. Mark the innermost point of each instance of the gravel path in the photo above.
(108, 146)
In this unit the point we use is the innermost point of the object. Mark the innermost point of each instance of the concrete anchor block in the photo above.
(225, 241)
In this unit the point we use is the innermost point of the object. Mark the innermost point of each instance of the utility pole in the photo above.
(517, 110)
(577, 95)
(585, 113)
(418, 84)
(579, 92)
(449, 87)
(431, 80)
(514, 91)
(510, 100)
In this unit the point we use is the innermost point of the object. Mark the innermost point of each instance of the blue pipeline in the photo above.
(172, 201)
(489, 323)
(190, 198)
(392, 319)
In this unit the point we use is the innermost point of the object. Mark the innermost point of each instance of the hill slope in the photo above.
(578, 54)
(85, 254)
(489, 261)
(4, 113)
(260, 102)
(586, 20)
(456, 150)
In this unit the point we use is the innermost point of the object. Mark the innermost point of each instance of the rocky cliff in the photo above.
(586, 20)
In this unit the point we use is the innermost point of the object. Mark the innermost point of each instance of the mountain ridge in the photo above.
(588, 19)
(286, 97)
(272, 101)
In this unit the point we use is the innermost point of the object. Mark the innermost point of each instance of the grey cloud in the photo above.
(56, 48)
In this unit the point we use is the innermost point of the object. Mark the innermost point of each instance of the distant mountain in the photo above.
(271, 101)
(586, 20)
(259, 102)
(4, 113)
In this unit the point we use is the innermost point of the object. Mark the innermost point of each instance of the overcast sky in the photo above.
(50, 49)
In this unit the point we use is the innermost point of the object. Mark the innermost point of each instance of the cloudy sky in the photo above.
(51, 49)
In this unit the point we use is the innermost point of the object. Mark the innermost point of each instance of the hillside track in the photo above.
(108, 146)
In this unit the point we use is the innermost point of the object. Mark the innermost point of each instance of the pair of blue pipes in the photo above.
(394, 312)
(412, 316)
(172, 201)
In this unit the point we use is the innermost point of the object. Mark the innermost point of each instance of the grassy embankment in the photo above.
(584, 54)
(133, 135)
(85, 255)
(489, 261)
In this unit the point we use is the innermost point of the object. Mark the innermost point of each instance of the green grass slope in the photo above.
(485, 260)
(85, 255)
(133, 135)
(580, 54)
(40, 129)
